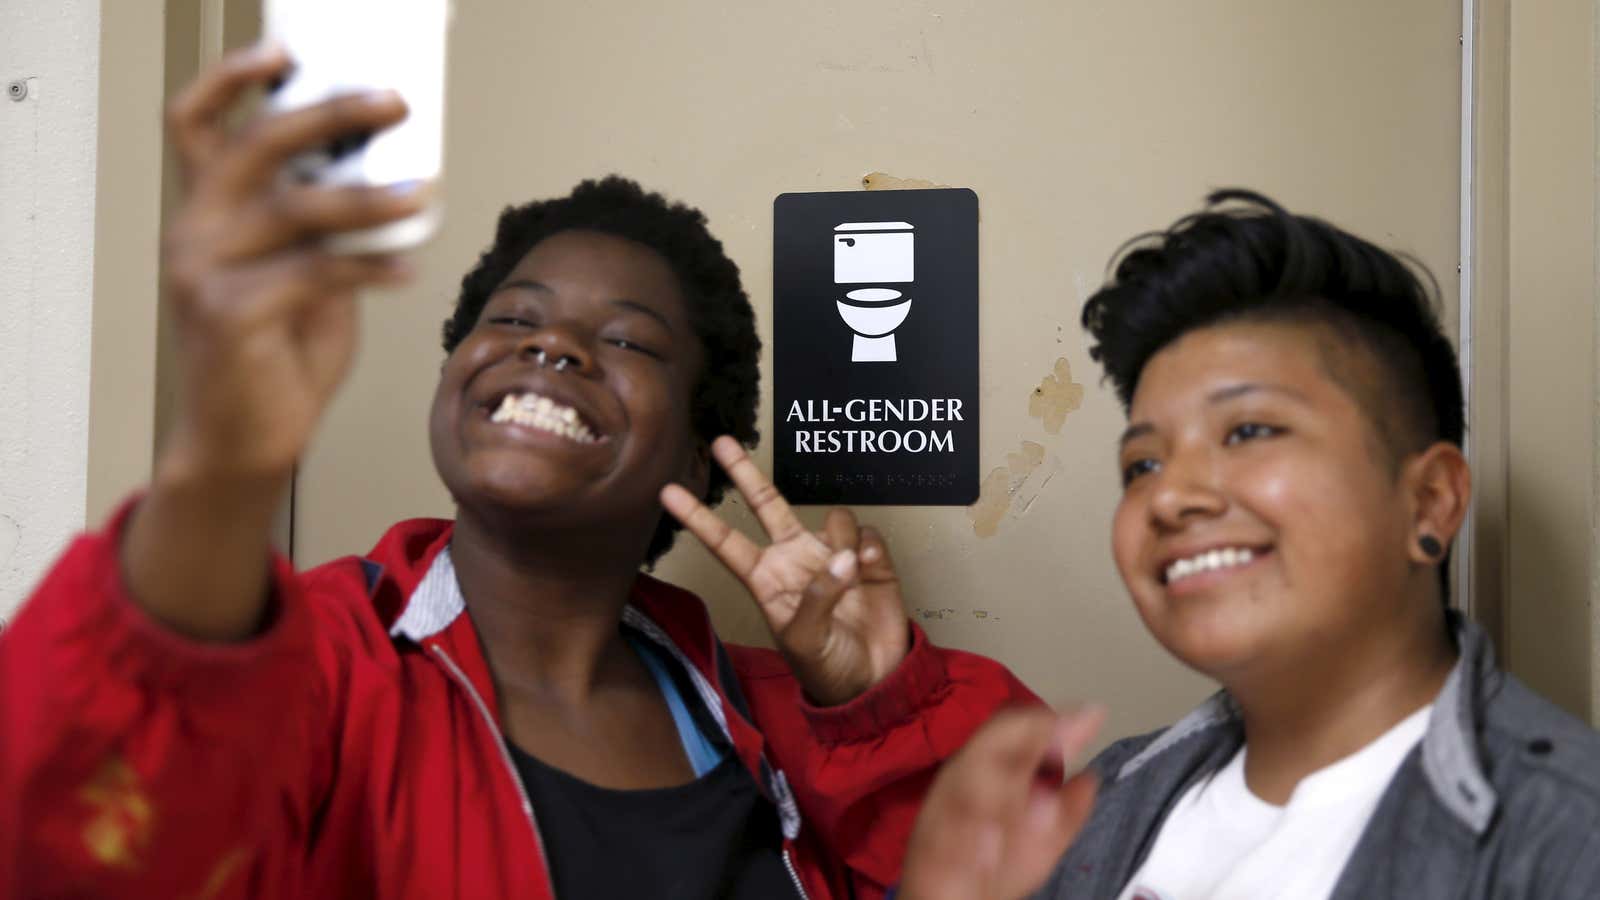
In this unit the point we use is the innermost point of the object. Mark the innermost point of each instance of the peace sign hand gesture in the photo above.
(831, 597)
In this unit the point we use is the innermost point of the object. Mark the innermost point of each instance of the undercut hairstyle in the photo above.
(1243, 258)
(727, 389)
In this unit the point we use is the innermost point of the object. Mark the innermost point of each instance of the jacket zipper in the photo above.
(793, 875)
(511, 769)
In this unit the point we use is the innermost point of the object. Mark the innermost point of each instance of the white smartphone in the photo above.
(342, 46)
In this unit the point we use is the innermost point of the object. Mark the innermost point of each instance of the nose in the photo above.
(558, 347)
(1186, 489)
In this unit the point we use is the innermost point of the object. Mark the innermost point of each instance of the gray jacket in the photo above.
(1499, 801)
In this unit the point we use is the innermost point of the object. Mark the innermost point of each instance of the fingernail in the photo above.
(842, 564)
(397, 269)
(1041, 814)
(269, 48)
(407, 188)
(988, 846)
(1080, 724)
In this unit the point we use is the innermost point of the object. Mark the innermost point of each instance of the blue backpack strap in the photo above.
(703, 754)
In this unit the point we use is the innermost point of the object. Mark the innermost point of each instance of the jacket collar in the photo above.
(1451, 761)
(437, 602)
(434, 603)
(414, 561)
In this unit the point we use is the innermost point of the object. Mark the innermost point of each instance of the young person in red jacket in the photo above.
(501, 706)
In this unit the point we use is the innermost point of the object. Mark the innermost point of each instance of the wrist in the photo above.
(187, 465)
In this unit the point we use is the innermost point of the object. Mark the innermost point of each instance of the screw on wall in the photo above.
(17, 90)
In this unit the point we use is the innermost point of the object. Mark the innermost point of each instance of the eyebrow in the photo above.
(526, 284)
(1221, 395)
(529, 284)
(642, 309)
(1133, 432)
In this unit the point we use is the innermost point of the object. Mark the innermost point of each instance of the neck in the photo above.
(547, 603)
(1328, 708)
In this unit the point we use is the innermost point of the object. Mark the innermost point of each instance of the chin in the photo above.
(1220, 664)
(526, 488)
(1212, 646)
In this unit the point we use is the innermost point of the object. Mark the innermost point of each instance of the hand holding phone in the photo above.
(265, 321)
(356, 46)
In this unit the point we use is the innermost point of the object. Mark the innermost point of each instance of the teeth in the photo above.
(1208, 561)
(544, 414)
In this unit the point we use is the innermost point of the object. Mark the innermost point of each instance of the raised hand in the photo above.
(265, 316)
(266, 326)
(999, 815)
(831, 597)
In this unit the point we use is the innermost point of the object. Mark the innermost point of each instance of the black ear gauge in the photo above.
(1430, 545)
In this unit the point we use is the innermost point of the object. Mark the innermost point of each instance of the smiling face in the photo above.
(1264, 525)
(569, 400)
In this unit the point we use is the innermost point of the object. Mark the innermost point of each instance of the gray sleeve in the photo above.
(1573, 867)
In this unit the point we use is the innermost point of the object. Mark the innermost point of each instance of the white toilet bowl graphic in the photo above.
(874, 253)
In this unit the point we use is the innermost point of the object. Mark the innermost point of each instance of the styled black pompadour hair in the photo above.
(1244, 258)
(727, 391)
(1252, 260)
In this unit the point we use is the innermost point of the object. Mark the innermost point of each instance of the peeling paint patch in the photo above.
(1055, 397)
(947, 614)
(879, 181)
(1002, 486)
(1023, 495)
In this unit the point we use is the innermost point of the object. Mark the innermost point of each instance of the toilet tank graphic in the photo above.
(874, 253)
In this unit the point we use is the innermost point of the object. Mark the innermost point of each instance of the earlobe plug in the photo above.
(1430, 546)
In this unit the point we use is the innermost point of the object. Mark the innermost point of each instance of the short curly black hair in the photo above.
(1244, 258)
(727, 391)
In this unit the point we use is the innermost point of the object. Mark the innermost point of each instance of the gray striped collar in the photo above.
(434, 604)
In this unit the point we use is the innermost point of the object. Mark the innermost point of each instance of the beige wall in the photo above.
(1549, 344)
(127, 241)
(1078, 124)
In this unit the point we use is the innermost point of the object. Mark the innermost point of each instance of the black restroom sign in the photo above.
(875, 347)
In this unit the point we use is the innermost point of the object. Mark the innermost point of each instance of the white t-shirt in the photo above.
(1222, 842)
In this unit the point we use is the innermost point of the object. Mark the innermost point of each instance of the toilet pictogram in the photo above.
(875, 254)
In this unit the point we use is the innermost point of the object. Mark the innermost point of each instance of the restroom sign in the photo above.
(875, 347)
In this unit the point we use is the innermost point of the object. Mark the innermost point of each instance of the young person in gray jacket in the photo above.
(1293, 478)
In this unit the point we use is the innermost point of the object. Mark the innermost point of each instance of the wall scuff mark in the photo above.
(1012, 488)
(1055, 397)
(879, 181)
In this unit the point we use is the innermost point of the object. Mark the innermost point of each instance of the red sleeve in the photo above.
(859, 771)
(137, 763)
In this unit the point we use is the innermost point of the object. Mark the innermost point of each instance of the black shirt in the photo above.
(715, 838)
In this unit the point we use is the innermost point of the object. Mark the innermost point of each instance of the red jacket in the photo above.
(334, 756)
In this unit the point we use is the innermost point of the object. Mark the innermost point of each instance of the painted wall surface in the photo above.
(1078, 124)
(122, 378)
(47, 222)
(1551, 617)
